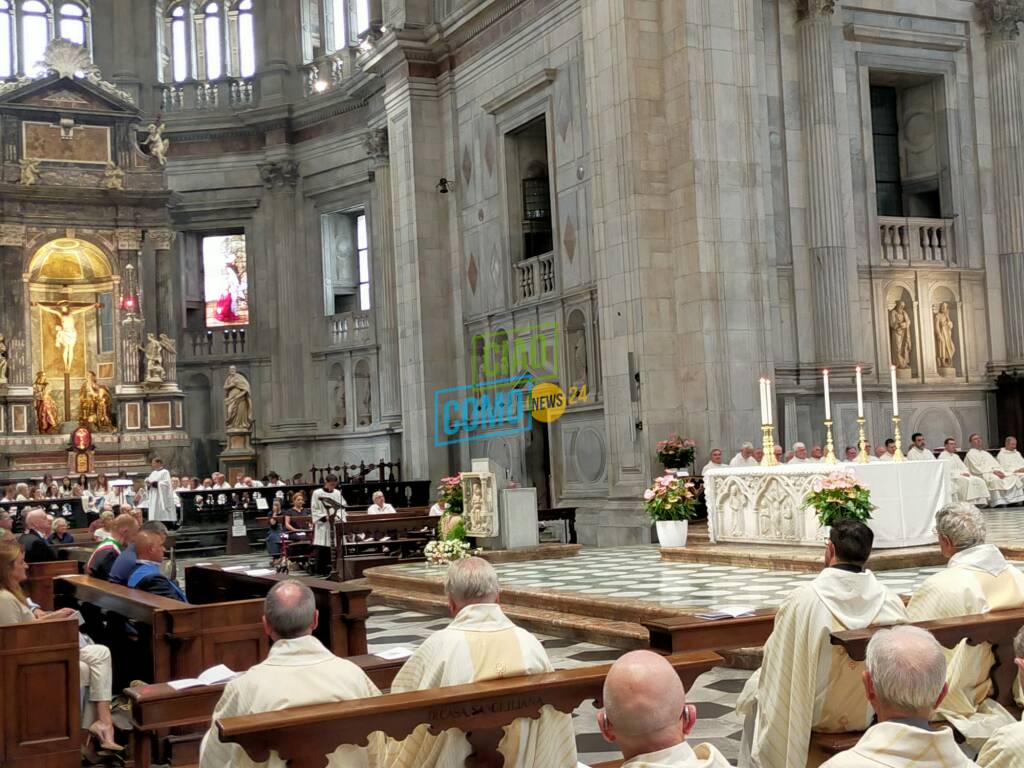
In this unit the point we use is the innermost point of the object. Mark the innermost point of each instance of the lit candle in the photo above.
(764, 413)
(828, 398)
(895, 401)
(860, 395)
(768, 399)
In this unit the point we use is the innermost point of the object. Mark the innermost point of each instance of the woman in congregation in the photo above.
(93, 660)
(298, 508)
(53, 492)
(66, 488)
(277, 518)
(60, 533)
(46, 482)
(100, 527)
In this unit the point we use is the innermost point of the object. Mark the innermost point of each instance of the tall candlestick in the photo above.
(760, 391)
(895, 401)
(828, 398)
(860, 395)
(768, 400)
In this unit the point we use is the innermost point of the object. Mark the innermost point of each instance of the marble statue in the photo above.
(29, 171)
(480, 515)
(156, 142)
(341, 417)
(579, 359)
(66, 336)
(364, 400)
(945, 349)
(46, 408)
(237, 402)
(153, 351)
(899, 335)
(3, 359)
(113, 177)
(733, 503)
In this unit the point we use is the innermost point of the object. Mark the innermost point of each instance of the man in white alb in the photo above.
(1009, 457)
(1006, 747)
(800, 454)
(889, 452)
(963, 485)
(745, 458)
(715, 462)
(1004, 488)
(160, 496)
(817, 453)
(322, 533)
(918, 451)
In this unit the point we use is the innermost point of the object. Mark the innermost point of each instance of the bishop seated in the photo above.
(1004, 487)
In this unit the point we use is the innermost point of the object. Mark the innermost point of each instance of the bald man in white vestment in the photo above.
(480, 644)
(298, 671)
(805, 683)
(745, 458)
(977, 579)
(800, 455)
(1006, 747)
(918, 451)
(905, 680)
(1004, 487)
(963, 485)
(1009, 457)
(646, 715)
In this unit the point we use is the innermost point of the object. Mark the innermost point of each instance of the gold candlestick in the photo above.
(862, 457)
(830, 453)
(898, 456)
(768, 446)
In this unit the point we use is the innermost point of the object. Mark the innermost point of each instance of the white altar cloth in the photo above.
(761, 505)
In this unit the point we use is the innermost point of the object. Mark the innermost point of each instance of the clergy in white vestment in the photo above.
(1006, 747)
(160, 497)
(918, 450)
(480, 644)
(905, 680)
(963, 485)
(715, 462)
(889, 451)
(379, 506)
(977, 579)
(297, 672)
(646, 715)
(800, 455)
(745, 458)
(1009, 457)
(322, 533)
(1003, 487)
(804, 682)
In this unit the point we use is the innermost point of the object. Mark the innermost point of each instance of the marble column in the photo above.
(278, 51)
(1001, 19)
(384, 274)
(166, 275)
(826, 238)
(14, 312)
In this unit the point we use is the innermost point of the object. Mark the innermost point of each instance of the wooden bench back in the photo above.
(40, 719)
(678, 634)
(303, 735)
(39, 585)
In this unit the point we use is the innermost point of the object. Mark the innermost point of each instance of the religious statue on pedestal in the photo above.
(66, 336)
(154, 354)
(94, 404)
(237, 402)
(3, 360)
(945, 348)
(46, 408)
(156, 142)
(899, 335)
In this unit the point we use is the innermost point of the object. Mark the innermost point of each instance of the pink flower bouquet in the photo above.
(671, 498)
(840, 496)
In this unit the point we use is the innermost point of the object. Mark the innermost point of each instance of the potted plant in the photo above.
(838, 496)
(676, 453)
(671, 502)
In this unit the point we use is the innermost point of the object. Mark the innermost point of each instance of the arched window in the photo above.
(178, 23)
(213, 49)
(340, 37)
(71, 23)
(6, 40)
(246, 36)
(35, 34)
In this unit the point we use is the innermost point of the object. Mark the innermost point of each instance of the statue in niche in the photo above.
(156, 142)
(3, 360)
(237, 402)
(776, 505)
(733, 503)
(899, 335)
(113, 177)
(341, 417)
(579, 359)
(945, 349)
(153, 351)
(45, 406)
(94, 404)
(29, 171)
(364, 400)
(481, 517)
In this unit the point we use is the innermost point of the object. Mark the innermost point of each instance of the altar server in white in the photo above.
(1004, 487)
(977, 579)
(800, 455)
(646, 715)
(322, 522)
(480, 644)
(745, 458)
(1006, 747)
(963, 485)
(715, 462)
(889, 452)
(918, 451)
(1009, 457)
(805, 683)
(159, 495)
(905, 680)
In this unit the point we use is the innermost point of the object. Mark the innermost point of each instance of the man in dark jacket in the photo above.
(149, 552)
(33, 541)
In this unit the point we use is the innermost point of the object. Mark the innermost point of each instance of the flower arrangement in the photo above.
(451, 494)
(445, 551)
(840, 496)
(676, 452)
(671, 498)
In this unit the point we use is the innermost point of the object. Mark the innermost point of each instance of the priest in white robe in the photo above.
(745, 458)
(715, 462)
(297, 672)
(646, 715)
(889, 451)
(159, 495)
(977, 579)
(322, 533)
(963, 485)
(480, 644)
(800, 455)
(1004, 487)
(1009, 457)
(905, 680)
(918, 450)
(805, 683)
(1006, 747)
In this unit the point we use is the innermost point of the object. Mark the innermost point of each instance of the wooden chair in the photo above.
(39, 585)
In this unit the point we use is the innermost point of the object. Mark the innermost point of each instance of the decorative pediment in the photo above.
(66, 94)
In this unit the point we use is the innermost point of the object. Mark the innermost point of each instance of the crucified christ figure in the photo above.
(67, 333)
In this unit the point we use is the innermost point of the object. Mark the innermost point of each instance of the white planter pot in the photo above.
(672, 533)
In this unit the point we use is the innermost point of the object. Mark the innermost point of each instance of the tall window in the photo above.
(35, 34)
(363, 250)
(246, 39)
(213, 48)
(179, 44)
(346, 259)
(360, 16)
(71, 23)
(209, 40)
(6, 49)
(339, 39)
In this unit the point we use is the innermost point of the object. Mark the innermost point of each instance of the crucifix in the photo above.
(66, 337)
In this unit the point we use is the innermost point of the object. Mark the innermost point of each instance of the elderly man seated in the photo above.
(480, 644)
(800, 454)
(905, 680)
(298, 671)
(963, 485)
(645, 713)
(1006, 747)
(1004, 487)
(745, 458)
(804, 683)
(1009, 457)
(715, 462)
(379, 506)
(34, 540)
(977, 580)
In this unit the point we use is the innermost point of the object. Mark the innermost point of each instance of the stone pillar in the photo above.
(129, 241)
(1001, 19)
(826, 238)
(167, 292)
(278, 50)
(14, 314)
(383, 222)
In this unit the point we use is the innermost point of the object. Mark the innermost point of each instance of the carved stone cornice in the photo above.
(1001, 17)
(279, 174)
(12, 235)
(160, 238)
(128, 238)
(814, 9)
(377, 144)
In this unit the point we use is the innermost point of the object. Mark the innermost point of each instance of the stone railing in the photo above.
(326, 73)
(226, 93)
(907, 241)
(214, 342)
(351, 329)
(535, 278)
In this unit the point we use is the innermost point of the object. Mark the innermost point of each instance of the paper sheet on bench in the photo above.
(212, 676)
(727, 612)
(393, 654)
(259, 572)
(235, 568)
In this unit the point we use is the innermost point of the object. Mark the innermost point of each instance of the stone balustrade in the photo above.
(351, 329)
(214, 342)
(535, 278)
(325, 74)
(911, 240)
(225, 93)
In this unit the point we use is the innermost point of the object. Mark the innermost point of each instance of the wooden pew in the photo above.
(342, 607)
(157, 709)
(41, 712)
(39, 585)
(303, 735)
(689, 633)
